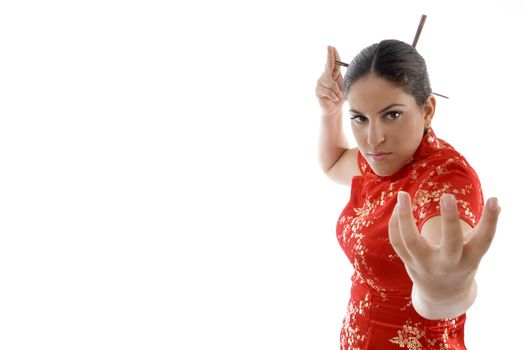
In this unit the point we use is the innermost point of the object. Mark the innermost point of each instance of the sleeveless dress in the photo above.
(380, 314)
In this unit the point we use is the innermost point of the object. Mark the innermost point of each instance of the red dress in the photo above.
(380, 314)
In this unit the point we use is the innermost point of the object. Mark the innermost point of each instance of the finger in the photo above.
(322, 91)
(336, 72)
(330, 60)
(339, 81)
(329, 84)
(452, 238)
(415, 244)
(468, 235)
(483, 234)
(332, 74)
(332, 85)
(396, 240)
(336, 87)
(336, 54)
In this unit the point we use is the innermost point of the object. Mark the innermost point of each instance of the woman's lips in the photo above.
(378, 157)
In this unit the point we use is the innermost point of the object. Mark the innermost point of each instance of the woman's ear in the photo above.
(429, 110)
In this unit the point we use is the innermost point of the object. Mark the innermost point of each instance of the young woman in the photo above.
(416, 227)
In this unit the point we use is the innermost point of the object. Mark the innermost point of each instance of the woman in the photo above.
(416, 227)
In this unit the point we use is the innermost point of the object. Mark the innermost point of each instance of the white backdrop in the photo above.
(159, 180)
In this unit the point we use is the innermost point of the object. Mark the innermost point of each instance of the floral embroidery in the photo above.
(381, 292)
(409, 336)
(350, 333)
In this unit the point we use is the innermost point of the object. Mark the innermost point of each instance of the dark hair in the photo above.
(393, 60)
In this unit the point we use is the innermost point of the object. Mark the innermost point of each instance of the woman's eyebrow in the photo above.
(383, 110)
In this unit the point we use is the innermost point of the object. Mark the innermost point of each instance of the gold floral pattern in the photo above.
(351, 333)
(380, 314)
(409, 336)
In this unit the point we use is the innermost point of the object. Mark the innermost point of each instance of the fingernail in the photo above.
(448, 201)
(494, 204)
(402, 200)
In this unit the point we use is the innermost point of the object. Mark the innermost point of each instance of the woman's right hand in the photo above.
(330, 84)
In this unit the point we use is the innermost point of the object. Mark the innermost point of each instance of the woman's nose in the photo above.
(375, 135)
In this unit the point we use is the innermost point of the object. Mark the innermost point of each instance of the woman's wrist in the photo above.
(448, 308)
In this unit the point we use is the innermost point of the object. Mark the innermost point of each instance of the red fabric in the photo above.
(380, 314)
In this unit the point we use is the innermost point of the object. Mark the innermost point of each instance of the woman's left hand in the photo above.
(443, 272)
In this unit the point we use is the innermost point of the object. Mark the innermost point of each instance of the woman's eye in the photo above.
(394, 115)
(359, 118)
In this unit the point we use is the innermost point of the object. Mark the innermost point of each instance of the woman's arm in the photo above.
(333, 142)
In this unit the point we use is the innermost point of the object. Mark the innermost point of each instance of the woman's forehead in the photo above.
(374, 96)
(372, 83)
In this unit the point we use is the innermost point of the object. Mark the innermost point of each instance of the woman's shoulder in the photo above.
(447, 160)
(447, 171)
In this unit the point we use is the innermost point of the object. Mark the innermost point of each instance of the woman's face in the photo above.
(385, 119)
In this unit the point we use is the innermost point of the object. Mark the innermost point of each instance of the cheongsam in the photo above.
(380, 314)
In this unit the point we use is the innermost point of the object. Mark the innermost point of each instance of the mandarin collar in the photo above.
(424, 150)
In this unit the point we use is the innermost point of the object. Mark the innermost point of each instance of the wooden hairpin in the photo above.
(415, 40)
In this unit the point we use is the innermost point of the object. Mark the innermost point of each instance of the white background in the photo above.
(159, 180)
